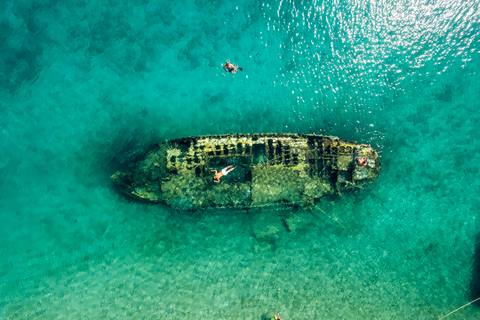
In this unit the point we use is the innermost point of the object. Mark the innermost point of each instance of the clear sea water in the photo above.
(85, 86)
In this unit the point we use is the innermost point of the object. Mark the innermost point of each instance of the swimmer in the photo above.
(276, 316)
(231, 68)
(362, 161)
(224, 172)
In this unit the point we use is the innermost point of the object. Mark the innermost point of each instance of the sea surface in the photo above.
(85, 86)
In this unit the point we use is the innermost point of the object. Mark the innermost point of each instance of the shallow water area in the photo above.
(88, 86)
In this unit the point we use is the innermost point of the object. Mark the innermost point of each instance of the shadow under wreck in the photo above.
(270, 170)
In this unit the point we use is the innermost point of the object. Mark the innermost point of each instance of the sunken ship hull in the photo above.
(270, 170)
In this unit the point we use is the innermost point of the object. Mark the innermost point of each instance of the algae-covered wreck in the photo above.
(270, 169)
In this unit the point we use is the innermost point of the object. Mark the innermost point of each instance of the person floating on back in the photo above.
(224, 172)
(231, 68)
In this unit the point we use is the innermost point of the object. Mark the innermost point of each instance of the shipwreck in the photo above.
(268, 170)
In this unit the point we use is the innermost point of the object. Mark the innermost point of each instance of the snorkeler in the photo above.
(362, 161)
(224, 172)
(231, 68)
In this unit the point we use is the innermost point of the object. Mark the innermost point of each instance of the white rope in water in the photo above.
(459, 308)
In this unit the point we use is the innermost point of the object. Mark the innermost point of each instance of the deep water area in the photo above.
(88, 86)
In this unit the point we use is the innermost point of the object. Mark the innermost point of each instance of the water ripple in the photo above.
(365, 56)
(371, 45)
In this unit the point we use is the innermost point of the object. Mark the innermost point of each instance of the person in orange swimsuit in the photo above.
(224, 172)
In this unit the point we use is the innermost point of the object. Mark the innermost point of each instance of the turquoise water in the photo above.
(86, 86)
